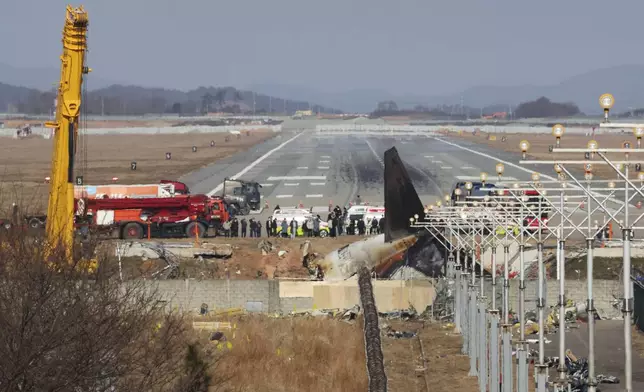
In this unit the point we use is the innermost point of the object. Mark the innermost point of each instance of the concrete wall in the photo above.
(274, 296)
(604, 293)
(286, 296)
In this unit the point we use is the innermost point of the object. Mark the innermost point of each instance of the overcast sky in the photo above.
(403, 46)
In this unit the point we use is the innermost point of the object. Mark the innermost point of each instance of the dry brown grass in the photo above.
(319, 354)
(292, 354)
(539, 147)
(445, 368)
(25, 163)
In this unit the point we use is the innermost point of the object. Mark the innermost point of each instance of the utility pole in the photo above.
(270, 104)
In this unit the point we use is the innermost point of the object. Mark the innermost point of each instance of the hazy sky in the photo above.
(404, 46)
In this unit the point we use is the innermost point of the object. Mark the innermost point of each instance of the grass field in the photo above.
(319, 354)
(24, 163)
(539, 144)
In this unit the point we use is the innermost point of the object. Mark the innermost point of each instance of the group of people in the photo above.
(311, 227)
(232, 228)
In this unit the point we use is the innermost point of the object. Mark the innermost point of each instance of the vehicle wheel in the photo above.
(35, 223)
(193, 227)
(324, 233)
(132, 231)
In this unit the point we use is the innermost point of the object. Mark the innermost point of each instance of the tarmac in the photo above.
(315, 170)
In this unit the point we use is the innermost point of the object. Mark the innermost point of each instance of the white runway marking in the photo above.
(446, 167)
(253, 164)
(283, 196)
(374, 153)
(267, 184)
(324, 161)
(292, 184)
(314, 196)
(302, 168)
(325, 156)
(429, 156)
(318, 183)
(478, 178)
(323, 167)
(467, 167)
(295, 178)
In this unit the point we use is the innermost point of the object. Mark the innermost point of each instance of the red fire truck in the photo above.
(136, 218)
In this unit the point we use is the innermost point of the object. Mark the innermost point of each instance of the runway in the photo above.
(315, 169)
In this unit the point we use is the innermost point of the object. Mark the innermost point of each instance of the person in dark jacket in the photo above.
(244, 225)
(351, 229)
(284, 232)
(374, 226)
(253, 228)
(381, 225)
(274, 227)
(268, 227)
(234, 227)
(258, 229)
(361, 227)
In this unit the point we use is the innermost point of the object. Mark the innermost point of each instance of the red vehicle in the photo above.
(536, 204)
(160, 217)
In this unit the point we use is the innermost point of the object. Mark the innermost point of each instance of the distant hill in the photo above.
(118, 99)
(625, 82)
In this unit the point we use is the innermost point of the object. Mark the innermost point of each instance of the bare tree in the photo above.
(66, 328)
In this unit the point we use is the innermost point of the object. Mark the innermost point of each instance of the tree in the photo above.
(206, 102)
(543, 107)
(387, 106)
(65, 329)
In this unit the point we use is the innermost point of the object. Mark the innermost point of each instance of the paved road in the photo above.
(609, 352)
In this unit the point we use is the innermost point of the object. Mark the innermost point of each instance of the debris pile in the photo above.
(577, 369)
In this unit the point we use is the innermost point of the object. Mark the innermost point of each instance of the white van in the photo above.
(364, 213)
(299, 214)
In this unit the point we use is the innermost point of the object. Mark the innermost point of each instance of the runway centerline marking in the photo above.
(302, 168)
(323, 167)
(292, 184)
(314, 196)
(318, 183)
(283, 196)
(296, 178)
(253, 164)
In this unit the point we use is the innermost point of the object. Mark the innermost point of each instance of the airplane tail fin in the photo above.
(401, 200)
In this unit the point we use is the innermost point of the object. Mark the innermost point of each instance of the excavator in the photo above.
(61, 212)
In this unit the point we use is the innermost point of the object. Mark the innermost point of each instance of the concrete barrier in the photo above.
(272, 296)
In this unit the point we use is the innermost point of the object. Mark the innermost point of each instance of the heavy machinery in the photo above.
(241, 196)
(136, 218)
(60, 225)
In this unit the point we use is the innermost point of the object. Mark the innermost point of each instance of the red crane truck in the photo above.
(136, 218)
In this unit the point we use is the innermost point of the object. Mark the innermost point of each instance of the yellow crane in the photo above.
(60, 212)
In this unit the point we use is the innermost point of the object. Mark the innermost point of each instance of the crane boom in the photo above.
(60, 222)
